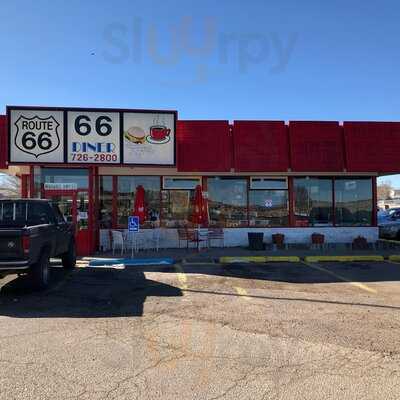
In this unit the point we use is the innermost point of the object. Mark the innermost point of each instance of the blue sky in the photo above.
(211, 60)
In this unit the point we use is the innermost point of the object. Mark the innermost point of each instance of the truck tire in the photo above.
(69, 258)
(40, 272)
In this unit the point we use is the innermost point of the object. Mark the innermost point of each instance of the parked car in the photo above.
(31, 232)
(389, 228)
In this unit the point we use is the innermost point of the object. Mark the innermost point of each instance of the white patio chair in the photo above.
(118, 241)
(154, 241)
(140, 241)
(137, 242)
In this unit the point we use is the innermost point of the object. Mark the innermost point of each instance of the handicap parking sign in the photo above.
(133, 224)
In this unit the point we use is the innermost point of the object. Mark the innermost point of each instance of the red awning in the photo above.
(372, 146)
(260, 146)
(203, 146)
(316, 146)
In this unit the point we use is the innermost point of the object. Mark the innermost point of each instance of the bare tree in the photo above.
(385, 190)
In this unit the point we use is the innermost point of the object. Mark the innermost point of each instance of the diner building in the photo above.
(295, 178)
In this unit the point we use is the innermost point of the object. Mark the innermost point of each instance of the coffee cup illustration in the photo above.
(159, 134)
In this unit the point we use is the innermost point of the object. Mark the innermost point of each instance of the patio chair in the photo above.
(137, 242)
(198, 236)
(216, 234)
(117, 241)
(155, 239)
(183, 236)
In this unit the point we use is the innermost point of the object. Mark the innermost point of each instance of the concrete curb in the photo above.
(258, 259)
(315, 259)
(389, 241)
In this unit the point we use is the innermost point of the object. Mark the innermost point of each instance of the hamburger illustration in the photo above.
(135, 135)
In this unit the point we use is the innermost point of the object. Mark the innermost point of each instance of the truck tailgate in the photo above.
(11, 244)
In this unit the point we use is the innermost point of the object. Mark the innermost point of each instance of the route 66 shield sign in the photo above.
(36, 136)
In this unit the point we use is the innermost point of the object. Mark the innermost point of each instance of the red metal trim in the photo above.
(292, 222)
(248, 201)
(91, 207)
(288, 148)
(31, 182)
(114, 215)
(232, 143)
(374, 202)
(24, 186)
(344, 148)
(97, 207)
(333, 203)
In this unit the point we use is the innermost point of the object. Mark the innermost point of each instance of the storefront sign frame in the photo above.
(64, 140)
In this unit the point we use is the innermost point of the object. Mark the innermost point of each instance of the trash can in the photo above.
(256, 240)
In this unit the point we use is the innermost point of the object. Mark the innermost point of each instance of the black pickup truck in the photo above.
(31, 232)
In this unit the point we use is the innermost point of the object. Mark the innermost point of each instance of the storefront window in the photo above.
(268, 208)
(176, 207)
(313, 201)
(126, 198)
(105, 208)
(227, 201)
(353, 201)
(71, 178)
(59, 179)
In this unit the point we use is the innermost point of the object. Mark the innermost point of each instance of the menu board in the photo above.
(41, 135)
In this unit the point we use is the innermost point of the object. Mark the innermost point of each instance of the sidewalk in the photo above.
(382, 248)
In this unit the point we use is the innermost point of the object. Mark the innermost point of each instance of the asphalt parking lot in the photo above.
(204, 331)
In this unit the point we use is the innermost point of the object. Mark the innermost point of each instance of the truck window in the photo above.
(59, 217)
(39, 213)
(13, 213)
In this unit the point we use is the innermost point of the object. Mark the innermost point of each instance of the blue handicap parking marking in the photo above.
(133, 224)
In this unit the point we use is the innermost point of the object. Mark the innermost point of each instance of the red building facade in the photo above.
(298, 178)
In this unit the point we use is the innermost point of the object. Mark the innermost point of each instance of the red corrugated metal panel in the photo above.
(3, 142)
(203, 146)
(316, 146)
(260, 146)
(372, 146)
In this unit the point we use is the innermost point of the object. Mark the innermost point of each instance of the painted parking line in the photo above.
(241, 292)
(359, 285)
(182, 278)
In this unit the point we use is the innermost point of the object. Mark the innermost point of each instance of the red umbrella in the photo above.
(200, 213)
(139, 208)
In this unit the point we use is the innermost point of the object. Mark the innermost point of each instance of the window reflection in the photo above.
(353, 198)
(227, 201)
(177, 207)
(126, 198)
(313, 201)
(105, 208)
(268, 208)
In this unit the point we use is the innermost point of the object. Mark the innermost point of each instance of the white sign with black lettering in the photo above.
(93, 137)
(36, 136)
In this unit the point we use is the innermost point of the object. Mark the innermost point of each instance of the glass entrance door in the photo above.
(74, 204)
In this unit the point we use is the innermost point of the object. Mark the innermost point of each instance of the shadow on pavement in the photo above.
(293, 272)
(83, 293)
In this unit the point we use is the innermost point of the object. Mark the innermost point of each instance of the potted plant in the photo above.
(317, 238)
(278, 239)
(360, 243)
